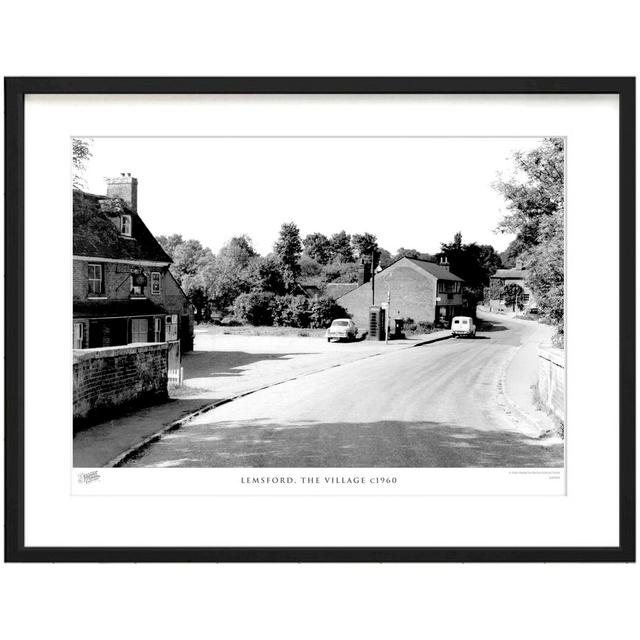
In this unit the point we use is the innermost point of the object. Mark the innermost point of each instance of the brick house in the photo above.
(123, 291)
(424, 291)
(504, 277)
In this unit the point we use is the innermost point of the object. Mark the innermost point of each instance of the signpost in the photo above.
(386, 333)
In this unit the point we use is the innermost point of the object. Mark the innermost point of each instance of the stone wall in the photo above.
(112, 379)
(552, 380)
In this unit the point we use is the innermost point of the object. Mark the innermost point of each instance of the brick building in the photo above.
(417, 289)
(504, 277)
(123, 291)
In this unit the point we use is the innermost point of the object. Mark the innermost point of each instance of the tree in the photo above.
(545, 270)
(190, 258)
(474, 263)
(489, 260)
(535, 204)
(512, 294)
(323, 311)
(288, 249)
(364, 244)
(384, 257)
(318, 247)
(196, 290)
(265, 274)
(340, 247)
(291, 311)
(212, 282)
(170, 243)
(493, 291)
(80, 153)
(366, 248)
(255, 307)
(239, 251)
(407, 253)
(340, 272)
(536, 192)
(232, 273)
(517, 247)
(194, 269)
(309, 267)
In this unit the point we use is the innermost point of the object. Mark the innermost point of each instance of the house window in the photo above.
(157, 330)
(525, 298)
(95, 280)
(78, 335)
(155, 283)
(139, 330)
(125, 225)
(448, 287)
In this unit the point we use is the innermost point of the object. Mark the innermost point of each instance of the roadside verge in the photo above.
(517, 381)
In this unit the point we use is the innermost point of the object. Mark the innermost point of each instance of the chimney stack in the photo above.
(364, 272)
(444, 263)
(519, 264)
(124, 187)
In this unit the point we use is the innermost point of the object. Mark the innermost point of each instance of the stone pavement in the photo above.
(222, 367)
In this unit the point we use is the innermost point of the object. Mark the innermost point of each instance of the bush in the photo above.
(557, 340)
(413, 327)
(323, 311)
(409, 325)
(291, 311)
(340, 272)
(256, 308)
(426, 327)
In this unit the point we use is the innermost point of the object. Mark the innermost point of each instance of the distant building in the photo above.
(337, 289)
(123, 291)
(417, 289)
(504, 277)
(310, 291)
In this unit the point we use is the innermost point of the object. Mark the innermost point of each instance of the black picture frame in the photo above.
(15, 91)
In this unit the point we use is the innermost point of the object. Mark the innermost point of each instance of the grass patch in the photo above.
(250, 330)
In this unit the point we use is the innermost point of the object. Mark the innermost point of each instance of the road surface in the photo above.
(438, 405)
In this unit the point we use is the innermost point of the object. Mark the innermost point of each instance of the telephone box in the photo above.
(398, 328)
(377, 323)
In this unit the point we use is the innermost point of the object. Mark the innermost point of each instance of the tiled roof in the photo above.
(96, 236)
(116, 308)
(336, 289)
(510, 273)
(434, 269)
(309, 290)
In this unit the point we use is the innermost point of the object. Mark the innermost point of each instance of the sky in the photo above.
(409, 192)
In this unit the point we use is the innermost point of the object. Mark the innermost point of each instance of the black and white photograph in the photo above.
(318, 302)
(320, 320)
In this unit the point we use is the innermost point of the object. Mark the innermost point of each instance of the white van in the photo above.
(463, 326)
